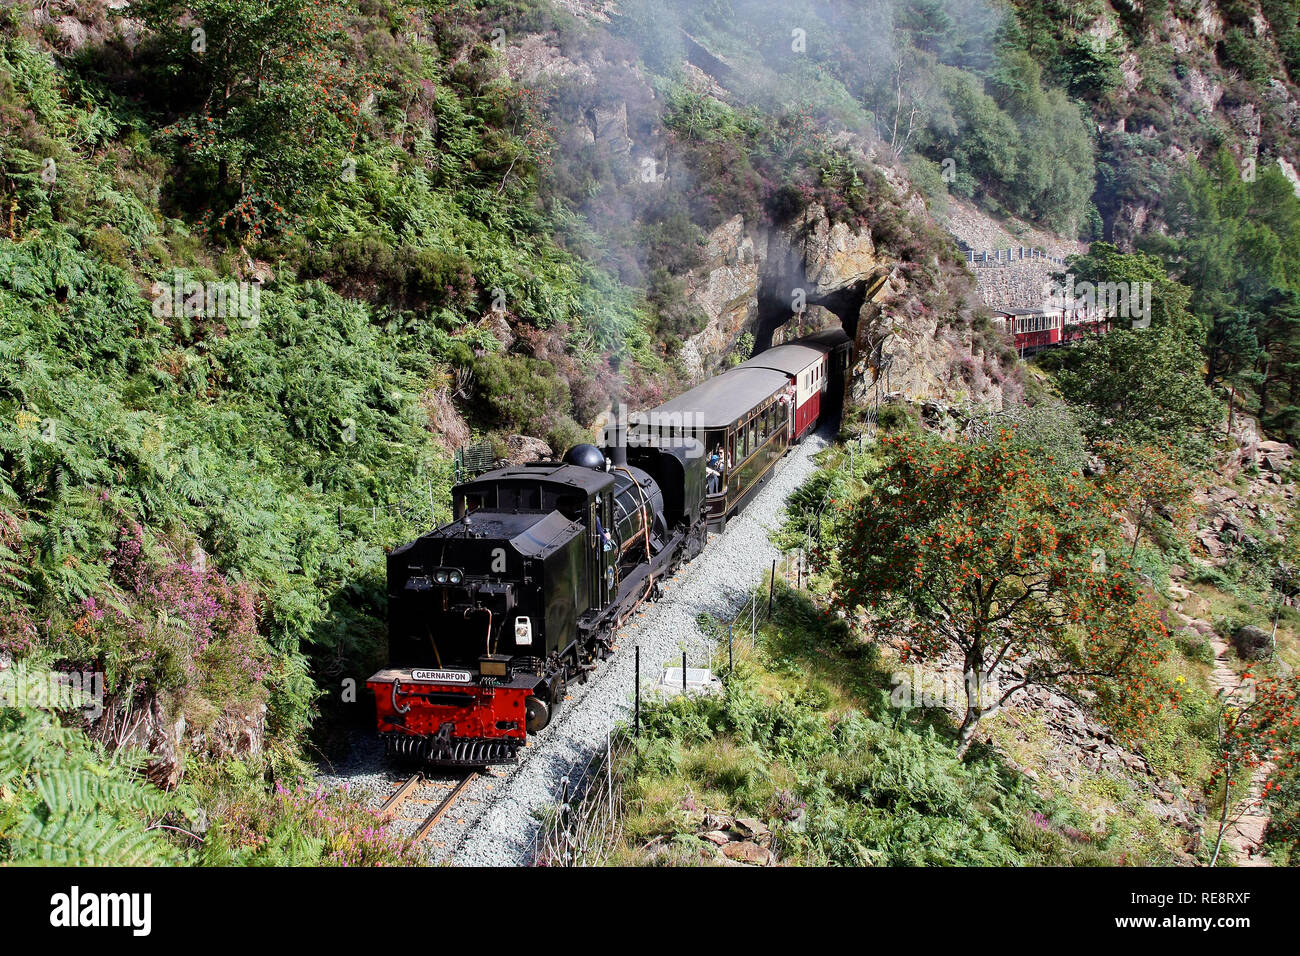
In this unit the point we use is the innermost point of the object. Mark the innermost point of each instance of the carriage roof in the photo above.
(722, 399)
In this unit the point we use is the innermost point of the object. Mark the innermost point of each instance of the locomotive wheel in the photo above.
(537, 714)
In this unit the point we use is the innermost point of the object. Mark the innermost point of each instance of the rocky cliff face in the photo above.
(758, 284)
(754, 280)
(1173, 109)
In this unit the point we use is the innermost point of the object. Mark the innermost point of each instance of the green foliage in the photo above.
(524, 399)
(246, 73)
(840, 778)
(1139, 384)
(973, 549)
(1053, 31)
(63, 800)
(955, 87)
(290, 825)
(1050, 427)
(242, 441)
(1236, 243)
(288, 448)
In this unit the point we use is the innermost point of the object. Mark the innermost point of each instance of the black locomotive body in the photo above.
(491, 615)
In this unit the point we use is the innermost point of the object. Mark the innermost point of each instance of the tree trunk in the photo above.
(966, 733)
(973, 679)
(1232, 406)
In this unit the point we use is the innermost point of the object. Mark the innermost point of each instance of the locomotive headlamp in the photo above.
(523, 630)
(440, 575)
(454, 576)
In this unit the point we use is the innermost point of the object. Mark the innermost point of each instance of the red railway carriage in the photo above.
(1035, 329)
(815, 366)
(1080, 324)
(805, 369)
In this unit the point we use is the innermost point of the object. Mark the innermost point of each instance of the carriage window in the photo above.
(476, 500)
(753, 434)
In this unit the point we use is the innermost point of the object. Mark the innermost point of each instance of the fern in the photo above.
(63, 800)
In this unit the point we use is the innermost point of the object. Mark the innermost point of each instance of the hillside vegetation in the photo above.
(236, 361)
(265, 265)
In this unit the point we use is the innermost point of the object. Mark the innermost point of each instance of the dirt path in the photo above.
(1244, 836)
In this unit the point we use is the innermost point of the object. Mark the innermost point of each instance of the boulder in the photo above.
(746, 852)
(715, 820)
(1211, 543)
(1274, 463)
(754, 829)
(1252, 643)
(522, 448)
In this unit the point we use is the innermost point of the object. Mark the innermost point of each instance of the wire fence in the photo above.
(583, 826)
(1003, 257)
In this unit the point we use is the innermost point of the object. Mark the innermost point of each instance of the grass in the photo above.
(805, 739)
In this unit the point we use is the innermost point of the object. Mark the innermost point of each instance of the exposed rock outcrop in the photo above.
(1260, 506)
(521, 449)
(815, 273)
(158, 726)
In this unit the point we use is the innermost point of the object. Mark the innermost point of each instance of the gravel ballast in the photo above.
(495, 822)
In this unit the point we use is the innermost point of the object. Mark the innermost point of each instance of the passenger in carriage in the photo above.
(714, 469)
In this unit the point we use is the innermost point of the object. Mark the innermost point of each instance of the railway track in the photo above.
(406, 794)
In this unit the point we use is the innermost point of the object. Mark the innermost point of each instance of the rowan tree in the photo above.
(1258, 728)
(977, 549)
(1146, 481)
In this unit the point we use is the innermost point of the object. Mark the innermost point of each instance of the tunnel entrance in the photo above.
(777, 295)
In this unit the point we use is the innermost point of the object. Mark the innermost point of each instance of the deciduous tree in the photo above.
(274, 103)
(1145, 481)
(975, 549)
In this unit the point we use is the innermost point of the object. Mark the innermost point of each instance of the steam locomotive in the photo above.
(492, 615)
